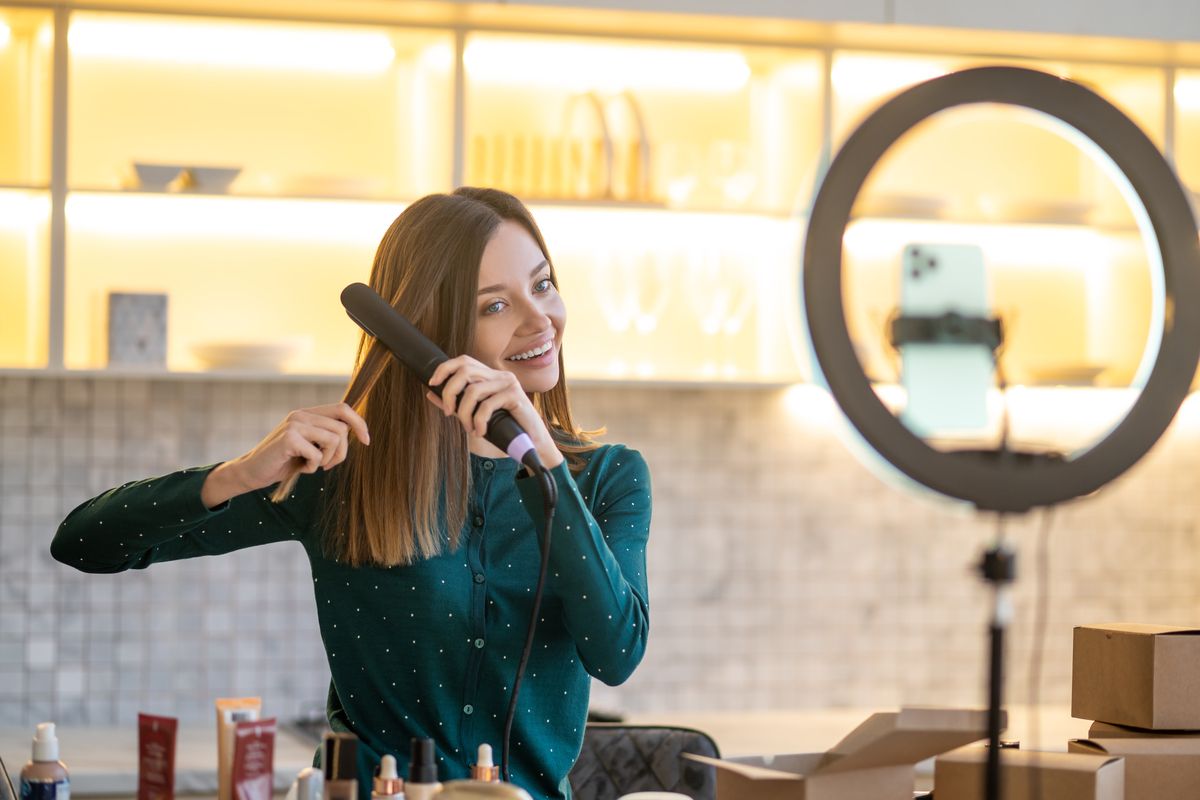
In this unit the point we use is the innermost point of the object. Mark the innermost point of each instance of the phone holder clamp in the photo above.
(949, 328)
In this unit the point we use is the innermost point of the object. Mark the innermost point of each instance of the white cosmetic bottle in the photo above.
(45, 777)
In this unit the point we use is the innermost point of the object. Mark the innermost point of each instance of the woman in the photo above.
(424, 542)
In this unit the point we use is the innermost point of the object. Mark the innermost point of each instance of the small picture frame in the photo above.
(137, 330)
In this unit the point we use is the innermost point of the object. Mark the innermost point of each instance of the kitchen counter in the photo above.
(103, 761)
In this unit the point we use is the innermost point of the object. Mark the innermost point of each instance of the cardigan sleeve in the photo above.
(163, 519)
(598, 560)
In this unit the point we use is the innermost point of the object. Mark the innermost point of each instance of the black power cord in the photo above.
(549, 501)
(7, 792)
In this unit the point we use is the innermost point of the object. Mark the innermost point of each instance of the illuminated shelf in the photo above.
(670, 171)
(341, 379)
(237, 195)
(115, 373)
(686, 125)
(24, 304)
(302, 108)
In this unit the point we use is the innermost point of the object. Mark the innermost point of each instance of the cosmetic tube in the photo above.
(231, 711)
(253, 775)
(156, 757)
(339, 761)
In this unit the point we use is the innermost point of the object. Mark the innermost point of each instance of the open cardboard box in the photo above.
(875, 760)
(1158, 765)
(1146, 676)
(1030, 774)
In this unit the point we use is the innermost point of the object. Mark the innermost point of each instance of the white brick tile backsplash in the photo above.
(783, 572)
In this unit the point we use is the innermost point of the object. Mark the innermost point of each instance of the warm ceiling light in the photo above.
(1013, 245)
(234, 45)
(878, 76)
(587, 66)
(21, 210)
(150, 216)
(1187, 92)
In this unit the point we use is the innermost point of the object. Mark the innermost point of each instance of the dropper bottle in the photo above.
(422, 782)
(388, 785)
(484, 769)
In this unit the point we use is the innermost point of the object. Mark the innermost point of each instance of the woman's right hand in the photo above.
(306, 440)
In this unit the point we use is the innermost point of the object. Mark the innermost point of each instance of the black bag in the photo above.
(619, 759)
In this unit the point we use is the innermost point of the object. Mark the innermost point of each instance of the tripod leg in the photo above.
(995, 682)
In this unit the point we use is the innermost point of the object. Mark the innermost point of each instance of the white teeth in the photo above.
(534, 353)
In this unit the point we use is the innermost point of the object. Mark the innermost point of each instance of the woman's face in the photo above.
(520, 315)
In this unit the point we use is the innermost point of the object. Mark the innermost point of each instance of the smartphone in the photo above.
(946, 383)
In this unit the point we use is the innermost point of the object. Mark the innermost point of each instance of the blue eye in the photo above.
(493, 308)
(543, 285)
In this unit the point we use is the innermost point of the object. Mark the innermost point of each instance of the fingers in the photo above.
(490, 405)
(453, 376)
(335, 453)
(299, 446)
(328, 434)
(345, 414)
(482, 399)
(449, 367)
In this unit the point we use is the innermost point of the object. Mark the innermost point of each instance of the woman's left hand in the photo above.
(473, 391)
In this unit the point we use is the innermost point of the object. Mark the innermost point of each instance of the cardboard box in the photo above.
(874, 761)
(1106, 730)
(1059, 776)
(1158, 766)
(1146, 676)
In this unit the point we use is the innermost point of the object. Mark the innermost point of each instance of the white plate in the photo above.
(269, 356)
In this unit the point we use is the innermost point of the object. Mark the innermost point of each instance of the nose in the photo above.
(534, 319)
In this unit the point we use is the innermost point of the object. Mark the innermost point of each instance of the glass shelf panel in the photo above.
(26, 84)
(688, 126)
(641, 306)
(24, 274)
(1075, 300)
(1066, 262)
(236, 271)
(301, 109)
(675, 296)
(1187, 130)
(990, 162)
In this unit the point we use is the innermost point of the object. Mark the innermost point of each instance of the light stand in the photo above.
(1004, 481)
(999, 570)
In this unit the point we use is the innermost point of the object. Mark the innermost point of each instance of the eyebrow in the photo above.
(496, 287)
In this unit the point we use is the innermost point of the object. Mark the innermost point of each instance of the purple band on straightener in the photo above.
(519, 446)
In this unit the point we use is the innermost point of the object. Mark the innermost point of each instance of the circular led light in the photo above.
(1009, 481)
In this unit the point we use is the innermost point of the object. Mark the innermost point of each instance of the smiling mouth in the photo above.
(533, 352)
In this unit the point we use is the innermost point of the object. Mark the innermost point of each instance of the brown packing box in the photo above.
(1106, 730)
(874, 761)
(1158, 766)
(1147, 676)
(1062, 776)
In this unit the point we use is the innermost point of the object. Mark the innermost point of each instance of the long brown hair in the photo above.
(404, 498)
